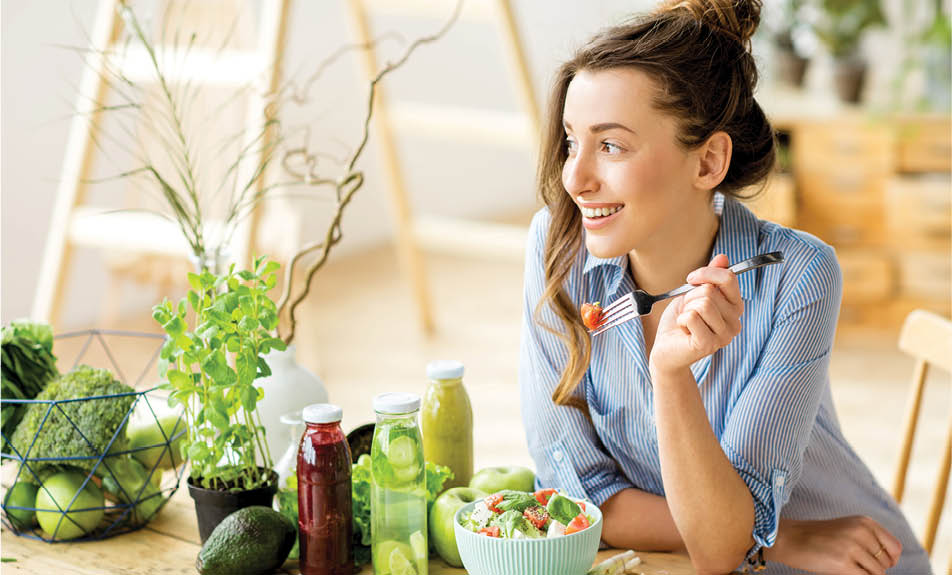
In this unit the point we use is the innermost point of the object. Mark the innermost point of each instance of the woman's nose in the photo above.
(578, 174)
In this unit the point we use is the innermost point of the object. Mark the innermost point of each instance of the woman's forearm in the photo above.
(709, 502)
(636, 519)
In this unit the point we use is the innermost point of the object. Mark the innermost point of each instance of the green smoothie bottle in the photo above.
(398, 492)
(446, 419)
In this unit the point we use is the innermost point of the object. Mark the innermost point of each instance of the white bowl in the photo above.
(567, 555)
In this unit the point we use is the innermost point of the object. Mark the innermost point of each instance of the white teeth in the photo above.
(599, 212)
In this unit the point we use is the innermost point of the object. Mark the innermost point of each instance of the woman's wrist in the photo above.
(785, 532)
(661, 372)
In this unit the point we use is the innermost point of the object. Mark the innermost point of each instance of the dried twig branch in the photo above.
(345, 186)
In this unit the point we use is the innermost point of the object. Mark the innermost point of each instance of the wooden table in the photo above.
(170, 544)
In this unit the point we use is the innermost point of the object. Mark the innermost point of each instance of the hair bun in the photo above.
(736, 18)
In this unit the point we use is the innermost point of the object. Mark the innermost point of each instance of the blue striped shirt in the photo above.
(766, 394)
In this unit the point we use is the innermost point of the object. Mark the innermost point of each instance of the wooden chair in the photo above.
(927, 337)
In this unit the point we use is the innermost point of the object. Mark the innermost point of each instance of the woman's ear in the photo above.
(714, 158)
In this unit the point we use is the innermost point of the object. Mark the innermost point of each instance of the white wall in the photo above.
(468, 67)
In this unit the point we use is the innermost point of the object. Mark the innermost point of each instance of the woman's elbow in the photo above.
(718, 561)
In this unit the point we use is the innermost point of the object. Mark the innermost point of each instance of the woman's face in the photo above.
(624, 160)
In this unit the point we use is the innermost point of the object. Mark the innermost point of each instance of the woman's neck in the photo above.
(675, 251)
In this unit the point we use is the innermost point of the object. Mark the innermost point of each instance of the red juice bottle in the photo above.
(324, 494)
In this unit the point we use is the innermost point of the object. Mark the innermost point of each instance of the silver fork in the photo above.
(638, 302)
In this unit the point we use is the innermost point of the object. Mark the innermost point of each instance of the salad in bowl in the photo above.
(522, 515)
(548, 532)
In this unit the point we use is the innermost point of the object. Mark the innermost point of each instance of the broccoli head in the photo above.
(75, 428)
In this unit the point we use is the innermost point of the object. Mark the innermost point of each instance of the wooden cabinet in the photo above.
(879, 191)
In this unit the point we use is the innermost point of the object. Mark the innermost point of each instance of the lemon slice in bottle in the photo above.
(399, 564)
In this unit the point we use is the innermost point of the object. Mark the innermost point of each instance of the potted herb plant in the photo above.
(217, 338)
(841, 28)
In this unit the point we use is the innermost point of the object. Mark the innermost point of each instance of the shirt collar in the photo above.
(737, 237)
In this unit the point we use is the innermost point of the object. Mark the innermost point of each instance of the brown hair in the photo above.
(698, 54)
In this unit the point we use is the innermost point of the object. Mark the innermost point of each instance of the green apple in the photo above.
(493, 479)
(442, 530)
(56, 500)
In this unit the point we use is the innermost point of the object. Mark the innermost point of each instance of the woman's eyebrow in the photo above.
(609, 126)
(605, 126)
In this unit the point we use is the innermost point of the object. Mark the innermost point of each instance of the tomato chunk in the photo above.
(492, 501)
(579, 523)
(543, 496)
(591, 314)
(492, 531)
(537, 516)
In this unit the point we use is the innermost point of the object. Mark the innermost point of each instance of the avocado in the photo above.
(250, 541)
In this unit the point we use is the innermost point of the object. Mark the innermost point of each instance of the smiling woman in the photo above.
(708, 425)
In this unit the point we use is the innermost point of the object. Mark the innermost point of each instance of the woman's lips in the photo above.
(596, 223)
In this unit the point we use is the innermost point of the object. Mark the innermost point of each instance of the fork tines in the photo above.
(620, 311)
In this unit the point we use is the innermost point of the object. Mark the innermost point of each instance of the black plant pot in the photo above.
(213, 505)
(791, 67)
(849, 77)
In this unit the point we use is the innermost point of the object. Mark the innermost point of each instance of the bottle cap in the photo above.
(444, 369)
(396, 403)
(322, 413)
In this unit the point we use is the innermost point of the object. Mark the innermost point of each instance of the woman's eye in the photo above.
(611, 148)
(570, 145)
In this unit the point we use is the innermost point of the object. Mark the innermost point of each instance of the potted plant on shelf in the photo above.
(211, 365)
(790, 60)
(840, 27)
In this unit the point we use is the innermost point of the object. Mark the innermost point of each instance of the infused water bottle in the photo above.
(398, 492)
(325, 516)
(446, 420)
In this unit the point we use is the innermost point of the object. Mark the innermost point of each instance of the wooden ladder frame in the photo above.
(78, 163)
(444, 234)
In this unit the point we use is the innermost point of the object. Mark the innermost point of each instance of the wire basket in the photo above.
(130, 506)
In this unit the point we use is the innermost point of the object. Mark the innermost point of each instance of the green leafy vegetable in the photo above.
(28, 366)
(288, 506)
(516, 500)
(563, 509)
(361, 479)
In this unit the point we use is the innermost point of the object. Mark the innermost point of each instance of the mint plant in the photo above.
(211, 365)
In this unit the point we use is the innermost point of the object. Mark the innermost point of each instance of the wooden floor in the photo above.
(359, 333)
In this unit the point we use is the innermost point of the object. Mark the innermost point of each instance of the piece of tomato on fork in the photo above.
(591, 314)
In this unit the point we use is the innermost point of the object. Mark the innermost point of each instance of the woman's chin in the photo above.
(600, 248)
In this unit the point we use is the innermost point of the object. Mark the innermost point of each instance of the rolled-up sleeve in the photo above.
(770, 424)
(562, 441)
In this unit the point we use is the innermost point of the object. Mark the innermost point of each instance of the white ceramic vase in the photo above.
(290, 387)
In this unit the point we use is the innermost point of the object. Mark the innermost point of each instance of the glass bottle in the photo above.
(446, 420)
(398, 492)
(325, 516)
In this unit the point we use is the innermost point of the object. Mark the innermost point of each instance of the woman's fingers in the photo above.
(879, 549)
(717, 312)
(702, 338)
(717, 274)
(892, 546)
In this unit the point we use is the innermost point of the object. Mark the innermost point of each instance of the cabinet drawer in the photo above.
(925, 275)
(867, 277)
(843, 224)
(865, 147)
(925, 145)
(841, 187)
(919, 211)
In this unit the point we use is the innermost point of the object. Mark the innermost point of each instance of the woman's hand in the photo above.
(845, 545)
(701, 321)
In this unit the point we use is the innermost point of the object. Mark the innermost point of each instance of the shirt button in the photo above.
(557, 455)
